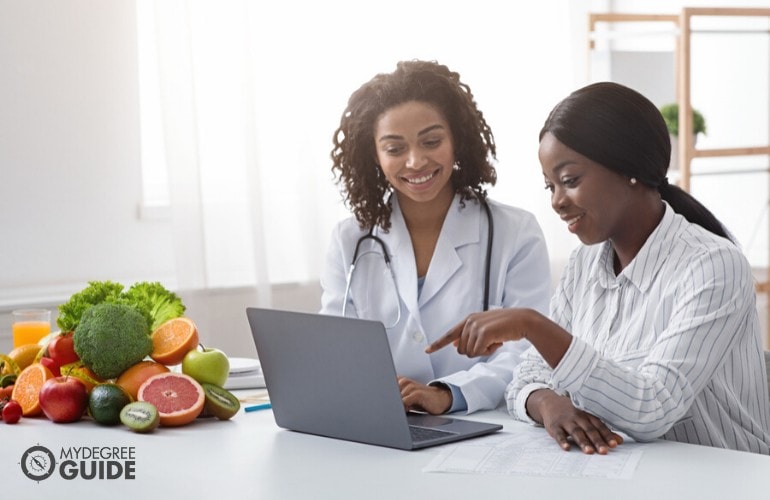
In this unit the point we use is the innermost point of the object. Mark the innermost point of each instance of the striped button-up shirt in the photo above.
(669, 348)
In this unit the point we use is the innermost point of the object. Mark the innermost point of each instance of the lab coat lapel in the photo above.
(461, 227)
(402, 257)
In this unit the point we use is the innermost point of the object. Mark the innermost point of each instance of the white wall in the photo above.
(70, 178)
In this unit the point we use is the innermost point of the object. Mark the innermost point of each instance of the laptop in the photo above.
(334, 376)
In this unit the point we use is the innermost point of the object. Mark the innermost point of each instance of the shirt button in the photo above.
(418, 336)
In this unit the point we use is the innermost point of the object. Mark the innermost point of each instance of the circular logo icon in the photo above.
(38, 463)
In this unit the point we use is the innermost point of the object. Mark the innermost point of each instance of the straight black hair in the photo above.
(624, 131)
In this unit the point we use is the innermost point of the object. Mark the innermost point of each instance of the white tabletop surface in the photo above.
(250, 457)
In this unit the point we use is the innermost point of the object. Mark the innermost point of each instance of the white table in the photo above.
(250, 457)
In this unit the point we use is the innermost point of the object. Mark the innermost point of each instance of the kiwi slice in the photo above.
(7, 380)
(220, 402)
(140, 416)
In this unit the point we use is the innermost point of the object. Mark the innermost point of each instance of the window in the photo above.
(155, 188)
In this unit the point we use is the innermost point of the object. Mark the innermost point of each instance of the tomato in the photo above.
(61, 349)
(11, 412)
(51, 365)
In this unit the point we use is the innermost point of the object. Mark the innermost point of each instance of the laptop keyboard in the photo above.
(426, 434)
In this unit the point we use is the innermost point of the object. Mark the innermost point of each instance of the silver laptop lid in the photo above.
(330, 376)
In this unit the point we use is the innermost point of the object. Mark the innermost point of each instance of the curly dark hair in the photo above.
(354, 154)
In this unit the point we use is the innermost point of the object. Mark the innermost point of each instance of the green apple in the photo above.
(207, 365)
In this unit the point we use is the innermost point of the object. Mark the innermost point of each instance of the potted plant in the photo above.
(670, 114)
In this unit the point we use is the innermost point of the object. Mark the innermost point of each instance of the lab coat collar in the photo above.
(402, 258)
(461, 227)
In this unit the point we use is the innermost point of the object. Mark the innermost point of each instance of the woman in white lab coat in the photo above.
(413, 153)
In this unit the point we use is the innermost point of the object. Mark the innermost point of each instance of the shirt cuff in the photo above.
(458, 400)
(518, 406)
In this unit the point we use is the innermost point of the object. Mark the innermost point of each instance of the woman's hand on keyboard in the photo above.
(420, 397)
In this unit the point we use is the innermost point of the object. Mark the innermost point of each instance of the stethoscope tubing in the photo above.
(490, 239)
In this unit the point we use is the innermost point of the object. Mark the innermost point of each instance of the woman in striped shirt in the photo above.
(653, 330)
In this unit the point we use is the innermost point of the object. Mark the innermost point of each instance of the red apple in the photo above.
(61, 349)
(63, 399)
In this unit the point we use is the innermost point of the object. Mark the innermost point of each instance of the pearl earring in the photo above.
(633, 181)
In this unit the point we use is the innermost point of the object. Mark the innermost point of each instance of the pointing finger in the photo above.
(452, 335)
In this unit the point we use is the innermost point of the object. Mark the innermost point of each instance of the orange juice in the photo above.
(29, 332)
(30, 325)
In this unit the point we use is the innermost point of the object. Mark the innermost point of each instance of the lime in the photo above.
(105, 402)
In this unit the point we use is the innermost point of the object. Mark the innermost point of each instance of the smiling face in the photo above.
(597, 203)
(415, 152)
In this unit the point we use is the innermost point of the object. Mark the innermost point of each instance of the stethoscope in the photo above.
(371, 236)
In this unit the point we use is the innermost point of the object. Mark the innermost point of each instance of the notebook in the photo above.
(334, 376)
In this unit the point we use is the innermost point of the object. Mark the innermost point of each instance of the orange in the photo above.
(178, 397)
(173, 339)
(135, 375)
(27, 388)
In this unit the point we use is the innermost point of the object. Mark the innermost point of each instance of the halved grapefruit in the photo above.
(134, 376)
(178, 397)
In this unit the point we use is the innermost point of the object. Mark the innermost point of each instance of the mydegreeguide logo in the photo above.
(79, 462)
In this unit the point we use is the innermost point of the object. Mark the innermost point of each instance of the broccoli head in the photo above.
(112, 337)
(95, 293)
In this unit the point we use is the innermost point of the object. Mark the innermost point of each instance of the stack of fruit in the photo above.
(111, 369)
(10, 367)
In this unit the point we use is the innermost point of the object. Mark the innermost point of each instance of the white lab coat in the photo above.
(453, 288)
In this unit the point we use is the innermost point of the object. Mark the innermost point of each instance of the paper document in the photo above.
(534, 453)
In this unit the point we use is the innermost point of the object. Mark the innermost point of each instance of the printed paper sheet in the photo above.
(534, 452)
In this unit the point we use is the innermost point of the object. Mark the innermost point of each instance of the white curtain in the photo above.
(207, 110)
(244, 188)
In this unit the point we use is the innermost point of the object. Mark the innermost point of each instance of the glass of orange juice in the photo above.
(30, 325)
